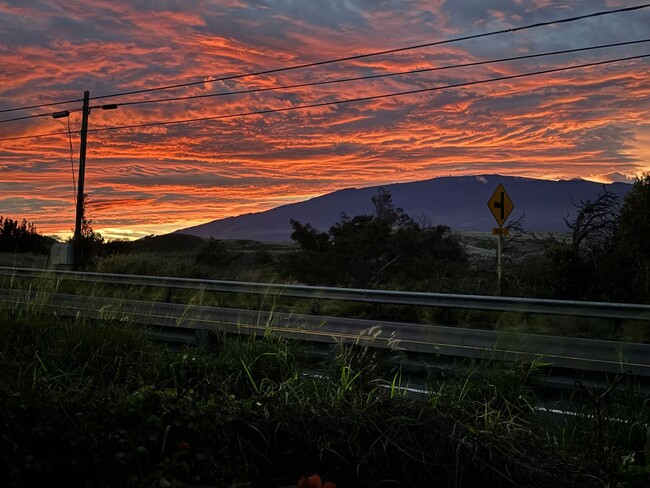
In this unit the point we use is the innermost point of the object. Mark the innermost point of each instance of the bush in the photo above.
(22, 237)
(96, 404)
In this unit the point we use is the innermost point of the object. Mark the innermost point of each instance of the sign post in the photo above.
(500, 205)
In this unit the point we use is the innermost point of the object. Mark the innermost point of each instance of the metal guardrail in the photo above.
(190, 324)
(193, 321)
(619, 311)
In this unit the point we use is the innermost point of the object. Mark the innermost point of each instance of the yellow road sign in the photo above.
(500, 231)
(500, 205)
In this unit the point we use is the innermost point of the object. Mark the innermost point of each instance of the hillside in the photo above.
(459, 201)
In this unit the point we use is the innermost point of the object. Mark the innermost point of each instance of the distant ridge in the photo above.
(457, 201)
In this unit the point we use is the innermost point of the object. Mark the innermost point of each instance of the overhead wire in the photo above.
(51, 104)
(350, 79)
(346, 58)
(372, 97)
(346, 101)
(411, 131)
(34, 136)
(47, 114)
(381, 75)
(380, 53)
(74, 183)
(27, 117)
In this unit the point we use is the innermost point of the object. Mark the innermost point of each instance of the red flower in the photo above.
(314, 481)
(183, 446)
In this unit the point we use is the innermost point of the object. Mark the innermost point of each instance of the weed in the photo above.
(97, 404)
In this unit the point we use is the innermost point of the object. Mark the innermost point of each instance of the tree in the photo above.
(606, 256)
(632, 242)
(366, 251)
(22, 236)
(213, 253)
(309, 238)
(578, 266)
(596, 222)
(385, 210)
(89, 245)
(87, 231)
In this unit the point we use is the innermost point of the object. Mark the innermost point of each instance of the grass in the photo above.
(515, 322)
(97, 404)
(178, 255)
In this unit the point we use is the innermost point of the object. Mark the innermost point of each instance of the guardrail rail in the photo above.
(603, 356)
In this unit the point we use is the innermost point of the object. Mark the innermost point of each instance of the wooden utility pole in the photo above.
(82, 168)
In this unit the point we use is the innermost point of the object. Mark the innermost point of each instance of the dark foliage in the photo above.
(101, 406)
(213, 253)
(22, 236)
(90, 243)
(631, 246)
(368, 251)
(605, 257)
(116, 246)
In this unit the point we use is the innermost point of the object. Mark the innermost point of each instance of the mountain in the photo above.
(457, 201)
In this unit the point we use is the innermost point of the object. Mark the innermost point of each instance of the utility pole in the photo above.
(82, 168)
(76, 240)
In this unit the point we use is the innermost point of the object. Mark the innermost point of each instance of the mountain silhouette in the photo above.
(461, 202)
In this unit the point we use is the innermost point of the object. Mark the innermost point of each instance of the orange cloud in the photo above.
(586, 123)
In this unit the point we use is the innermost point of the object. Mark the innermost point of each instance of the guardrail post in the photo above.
(202, 338)
(446, 314)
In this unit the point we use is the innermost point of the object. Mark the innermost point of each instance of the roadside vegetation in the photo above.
(98, 404)
(603, 256)
(22, 237)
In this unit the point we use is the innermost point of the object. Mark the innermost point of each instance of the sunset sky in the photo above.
(591, 123)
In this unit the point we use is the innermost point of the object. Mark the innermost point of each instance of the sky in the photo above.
(590, 123)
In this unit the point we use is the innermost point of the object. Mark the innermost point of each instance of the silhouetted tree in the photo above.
(580, 265)
(22, 236)
(606, 255)
(213, 253)
(89, 245)
(366, 251)
(596, 222)
(310, 239)
(632, 244)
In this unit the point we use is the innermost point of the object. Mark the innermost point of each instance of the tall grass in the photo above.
(96, 403)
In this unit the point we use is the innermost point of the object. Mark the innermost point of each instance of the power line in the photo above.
(348, 58)
(74, 183)
(380, 53)
(352, 100)
(48, 114)
(34, 136)
(519, 123)
(373, 97)
(411, 132)
(358, 78)
(383, 75)
(52, 104)
(25, 117)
